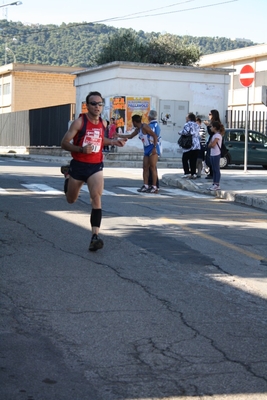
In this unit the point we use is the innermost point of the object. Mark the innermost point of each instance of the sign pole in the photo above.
(246, 135)
(246, 79)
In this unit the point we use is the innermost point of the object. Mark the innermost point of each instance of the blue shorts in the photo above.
(81, 171)
(148, 150)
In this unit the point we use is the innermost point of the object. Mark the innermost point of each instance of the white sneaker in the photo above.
(215, 187)
(193, 176)
(186, 176)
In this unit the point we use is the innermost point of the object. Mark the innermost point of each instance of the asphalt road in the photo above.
(173, 306)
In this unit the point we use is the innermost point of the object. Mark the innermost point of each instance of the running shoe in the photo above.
(143, 189)
(186, 176)
(96, 243)
(214, 187)
(152, 189)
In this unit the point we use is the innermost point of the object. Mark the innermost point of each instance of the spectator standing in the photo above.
(213, 116)
(112, 130)
(189, 158)
(106, 148)
(215, 145)
(201, 152)
(154, 125)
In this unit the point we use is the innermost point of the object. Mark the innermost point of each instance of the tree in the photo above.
(159, 49)
(170, 49)
(122, 46)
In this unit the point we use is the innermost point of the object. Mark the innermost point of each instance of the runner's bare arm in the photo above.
(128, 136)
(69, 135)
(120, 142)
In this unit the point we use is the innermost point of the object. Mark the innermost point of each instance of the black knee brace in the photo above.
(66, 185)
(96, 216)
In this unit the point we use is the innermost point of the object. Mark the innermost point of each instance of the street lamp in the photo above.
(15, 3)
(8, 49)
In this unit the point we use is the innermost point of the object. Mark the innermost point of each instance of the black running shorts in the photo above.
(81, 171)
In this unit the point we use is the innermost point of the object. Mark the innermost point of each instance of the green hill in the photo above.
(78, 45)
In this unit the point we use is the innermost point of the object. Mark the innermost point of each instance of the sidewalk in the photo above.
(249, 188)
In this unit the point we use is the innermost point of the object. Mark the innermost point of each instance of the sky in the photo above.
(222, 18)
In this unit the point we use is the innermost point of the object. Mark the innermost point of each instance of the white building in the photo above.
(130, 88)
(255, 56)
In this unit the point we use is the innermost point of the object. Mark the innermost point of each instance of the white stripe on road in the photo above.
(134, 190)
(181, 192)
(163, 193)
(40, 188)
(105, 192)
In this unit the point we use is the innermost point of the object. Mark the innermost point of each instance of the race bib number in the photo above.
(93, 138)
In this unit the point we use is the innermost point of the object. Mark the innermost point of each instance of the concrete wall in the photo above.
(203, 88)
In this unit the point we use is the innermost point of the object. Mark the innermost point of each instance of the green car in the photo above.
(234, 140)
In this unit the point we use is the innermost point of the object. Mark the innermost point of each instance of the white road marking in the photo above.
(181, 192)
(19, 161)
(134, 190)
(105, 192)
(162, 193)
(40, 188)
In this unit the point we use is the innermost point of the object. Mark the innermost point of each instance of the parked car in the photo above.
(234, 140)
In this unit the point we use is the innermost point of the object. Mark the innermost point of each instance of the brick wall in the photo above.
(40, 89)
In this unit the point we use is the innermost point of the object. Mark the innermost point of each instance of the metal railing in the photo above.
(257, 120)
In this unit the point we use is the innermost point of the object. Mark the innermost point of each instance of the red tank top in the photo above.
(90, 133)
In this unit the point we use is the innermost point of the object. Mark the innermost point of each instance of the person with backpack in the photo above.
(189, 158)
(213, 116)
(215, 146)
(85, 140)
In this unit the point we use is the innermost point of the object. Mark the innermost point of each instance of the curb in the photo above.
(255, 201)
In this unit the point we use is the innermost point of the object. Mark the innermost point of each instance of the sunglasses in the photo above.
(96, 103)
(210, 113)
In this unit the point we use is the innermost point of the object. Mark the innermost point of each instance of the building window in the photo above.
(6, 88)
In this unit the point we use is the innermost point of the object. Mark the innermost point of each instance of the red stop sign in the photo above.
(246, 75)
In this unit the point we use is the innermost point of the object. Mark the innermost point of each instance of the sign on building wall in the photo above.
(122, 108)
(137, 105)
(117, 111)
